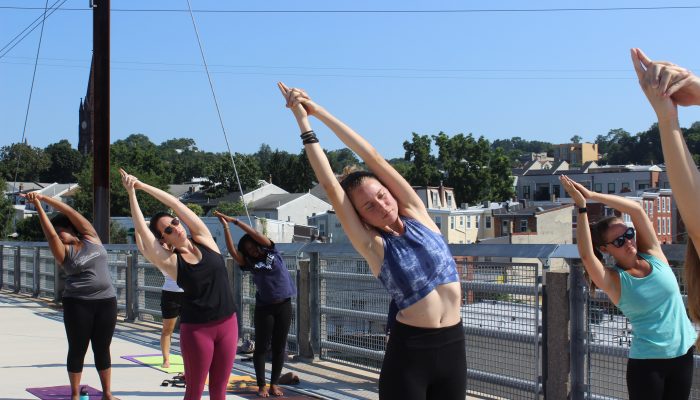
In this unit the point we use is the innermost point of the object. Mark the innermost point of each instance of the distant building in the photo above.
(85, 110)
(576, 153)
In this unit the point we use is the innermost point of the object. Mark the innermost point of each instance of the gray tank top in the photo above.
(87, 274)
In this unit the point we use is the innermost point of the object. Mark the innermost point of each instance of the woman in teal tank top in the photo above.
(643, 286)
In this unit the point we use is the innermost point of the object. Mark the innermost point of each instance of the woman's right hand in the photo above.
(129, 181)
(225, 219)
(34, 198)
(573, 191)
(298, 101)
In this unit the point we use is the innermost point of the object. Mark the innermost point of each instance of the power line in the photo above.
(398, 11)
(36, 24)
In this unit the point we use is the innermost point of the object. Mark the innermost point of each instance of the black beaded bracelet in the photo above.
(309, 137)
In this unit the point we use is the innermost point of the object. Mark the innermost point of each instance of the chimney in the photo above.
(485, 204)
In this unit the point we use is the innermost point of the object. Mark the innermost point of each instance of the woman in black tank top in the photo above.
(208, 329)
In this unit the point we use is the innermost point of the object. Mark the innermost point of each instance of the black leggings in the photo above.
(660, 379)
(271, 324)
(424, 364)
(89, 321)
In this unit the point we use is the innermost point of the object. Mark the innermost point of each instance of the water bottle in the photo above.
(84, 395)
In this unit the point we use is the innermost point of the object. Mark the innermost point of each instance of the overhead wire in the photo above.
(33, 25)
(29, 102)
(218, 110)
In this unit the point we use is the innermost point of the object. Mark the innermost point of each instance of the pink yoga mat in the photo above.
(62, 392)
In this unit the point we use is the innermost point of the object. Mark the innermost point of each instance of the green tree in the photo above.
(117, 233)
(341, 158)
(29, 230)
(423, 171)
(223, 180)
(27, 162)
(576, 139)
(196, 209)
(65, 161)
(230, 208)
(7, 212)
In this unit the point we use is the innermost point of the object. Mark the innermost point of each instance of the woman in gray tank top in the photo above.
(89, 299)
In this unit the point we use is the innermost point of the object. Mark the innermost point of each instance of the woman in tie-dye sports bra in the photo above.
(389, 226)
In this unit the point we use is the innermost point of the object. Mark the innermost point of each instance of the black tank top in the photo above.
(208, 295)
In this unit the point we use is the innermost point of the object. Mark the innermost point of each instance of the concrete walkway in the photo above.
(33, 352)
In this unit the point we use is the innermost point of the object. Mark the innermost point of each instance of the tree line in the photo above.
(475, 167)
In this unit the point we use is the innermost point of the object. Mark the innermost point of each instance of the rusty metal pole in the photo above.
(101, 109)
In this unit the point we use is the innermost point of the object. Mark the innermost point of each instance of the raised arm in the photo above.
(225, 219)
(80, 223)
(407, 198)
(647, 241)
(148, 244)
(604, 278)
(58, 249)
(365, 240)
(666, 85)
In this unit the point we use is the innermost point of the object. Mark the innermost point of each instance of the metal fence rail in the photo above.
(609, 337)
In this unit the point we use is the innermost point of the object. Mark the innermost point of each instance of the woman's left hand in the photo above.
(33, 197)
(573, 191)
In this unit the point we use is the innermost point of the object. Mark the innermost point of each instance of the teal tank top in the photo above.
(655, 308)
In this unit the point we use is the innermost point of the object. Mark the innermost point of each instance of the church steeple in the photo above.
(85, 110)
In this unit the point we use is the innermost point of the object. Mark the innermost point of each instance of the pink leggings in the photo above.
(208, 348)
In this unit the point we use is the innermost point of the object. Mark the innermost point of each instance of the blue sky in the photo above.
(537, 75)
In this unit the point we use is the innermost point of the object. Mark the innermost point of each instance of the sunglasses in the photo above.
(620, 240)
(169, 229)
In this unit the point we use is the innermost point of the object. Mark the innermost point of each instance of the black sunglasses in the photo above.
(169, 229)
(620, 240)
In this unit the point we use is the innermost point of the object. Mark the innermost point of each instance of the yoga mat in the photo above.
(237, 379)
(62, 392)
(155, 360)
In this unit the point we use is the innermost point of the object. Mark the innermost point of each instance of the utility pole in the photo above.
(101, 118)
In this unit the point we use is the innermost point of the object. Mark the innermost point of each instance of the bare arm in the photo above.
(198, 229)
(148, 244)
(58, 249)
(605, 278)
(684, 88)
(647, 241)
(366, 241)
(80, 223)
(225, 219)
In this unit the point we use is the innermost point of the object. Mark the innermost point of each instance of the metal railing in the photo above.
(341, 309)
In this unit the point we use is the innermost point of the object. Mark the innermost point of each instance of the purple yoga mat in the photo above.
(62, 392)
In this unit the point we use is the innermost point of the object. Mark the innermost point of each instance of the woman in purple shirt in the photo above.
(256, 254)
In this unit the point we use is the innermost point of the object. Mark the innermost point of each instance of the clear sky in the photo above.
(545, 75)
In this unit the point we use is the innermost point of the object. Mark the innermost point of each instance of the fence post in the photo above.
(2, 266)
(58, 282)
(17, 275)
(304, 316)
(315, 303)
(236, 276)
(131, 279)
(36, 272)
(555, 319)
(577, 310)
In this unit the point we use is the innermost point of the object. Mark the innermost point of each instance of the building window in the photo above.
(523, 225)
(658, 205)
(506, 228)
(478, 217)
(668, 224)
(526, 192)
(598, 187)
(434, 197)
(658, 225)
(461, 221)
(488, 222)
(611, 187)
(469, 221)
(452, 222)
(268, 215)
(438, 222)
(449, 200)
(625, 187)
(322, 229)
(556, 189)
